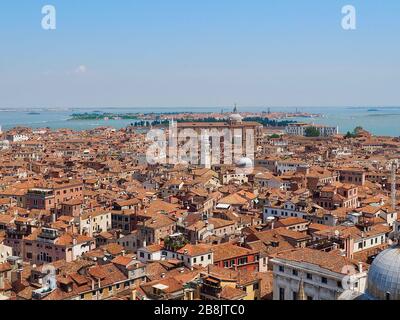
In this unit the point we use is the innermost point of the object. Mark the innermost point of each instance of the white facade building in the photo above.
(5, 253)
(94, 223)
(299, 129)
(289, 166)
(17, 137)
(191, 255)
(289, 209)
(297, 277)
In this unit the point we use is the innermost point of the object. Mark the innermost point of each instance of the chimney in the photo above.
(16, 275)
(1, 280)
(349, 243)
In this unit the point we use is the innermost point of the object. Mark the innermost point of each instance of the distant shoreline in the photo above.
(192, 116)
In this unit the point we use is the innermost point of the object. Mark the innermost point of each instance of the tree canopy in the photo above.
(312, 132)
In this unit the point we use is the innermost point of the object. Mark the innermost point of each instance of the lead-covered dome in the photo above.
(384, 275)
(236, 118)
(244, 163)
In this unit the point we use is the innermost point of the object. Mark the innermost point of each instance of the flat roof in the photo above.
(160, 286)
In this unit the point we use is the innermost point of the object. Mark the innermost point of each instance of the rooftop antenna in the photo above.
(394, 165)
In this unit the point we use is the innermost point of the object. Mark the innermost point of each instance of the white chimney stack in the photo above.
(1, 281)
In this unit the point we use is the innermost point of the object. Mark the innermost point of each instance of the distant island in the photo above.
(267, 119)
(103, 116)
(153, 119)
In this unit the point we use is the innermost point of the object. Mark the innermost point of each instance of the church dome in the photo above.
(235, 118)
(384, 275)
(244, 163)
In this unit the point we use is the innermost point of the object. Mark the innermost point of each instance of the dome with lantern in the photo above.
(235, 117)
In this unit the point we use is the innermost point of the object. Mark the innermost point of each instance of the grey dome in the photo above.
(244, 163)
(384, 275)
(235, 118)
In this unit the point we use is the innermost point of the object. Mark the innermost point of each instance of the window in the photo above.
(309, 276)
(281, 269)
(295, 273)
(324, 280)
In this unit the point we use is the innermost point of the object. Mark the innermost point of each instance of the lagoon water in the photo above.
(379, 121)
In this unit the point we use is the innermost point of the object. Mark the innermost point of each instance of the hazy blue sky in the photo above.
(126, 53)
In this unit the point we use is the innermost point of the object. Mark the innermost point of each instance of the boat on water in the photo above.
(34, 113)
